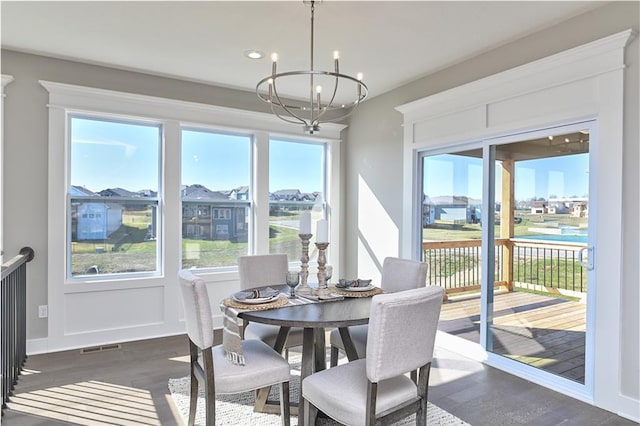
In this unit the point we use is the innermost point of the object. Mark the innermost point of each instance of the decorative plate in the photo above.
(252, 298)
(366, 288)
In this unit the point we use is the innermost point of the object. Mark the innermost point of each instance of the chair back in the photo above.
(262, 269)
(197, 309)
(402, 274)
(402, 331)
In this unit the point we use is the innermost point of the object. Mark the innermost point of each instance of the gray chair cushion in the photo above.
(397, 275)
(264, 367)
(401, 335)
(262, 270)
(402, 331)
(341, 392)
(402, 274)
(197, 309)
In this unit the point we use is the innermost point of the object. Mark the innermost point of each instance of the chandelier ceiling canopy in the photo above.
(332, 96)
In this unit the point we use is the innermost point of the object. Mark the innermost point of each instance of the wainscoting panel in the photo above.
(93, 311)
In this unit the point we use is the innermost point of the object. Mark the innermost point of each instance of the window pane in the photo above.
(113, 197)
(216, 171)
(112, 237)
(296, 184)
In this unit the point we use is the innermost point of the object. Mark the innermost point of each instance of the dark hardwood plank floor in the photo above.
(129, 386)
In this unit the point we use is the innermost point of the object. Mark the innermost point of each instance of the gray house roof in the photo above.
(80, 191)
(199, 192)
(118, 192)
(286, 194)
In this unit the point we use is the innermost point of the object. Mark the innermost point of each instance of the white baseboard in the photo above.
(37, 346)
(629, 408)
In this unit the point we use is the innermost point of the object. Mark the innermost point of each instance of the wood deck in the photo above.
(546, 332)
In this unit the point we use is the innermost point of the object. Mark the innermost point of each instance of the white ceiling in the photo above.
(391, 42)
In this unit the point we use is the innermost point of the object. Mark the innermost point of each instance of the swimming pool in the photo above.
(567, 238)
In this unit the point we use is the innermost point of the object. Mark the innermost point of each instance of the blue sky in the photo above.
(565, 176)
(117, 154)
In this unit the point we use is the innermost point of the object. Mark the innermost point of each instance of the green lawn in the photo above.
(135, 254)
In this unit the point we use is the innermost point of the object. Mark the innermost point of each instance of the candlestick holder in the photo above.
(323, 289)
(304, 288)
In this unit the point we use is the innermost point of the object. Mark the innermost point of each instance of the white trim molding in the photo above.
(81, 97)
(82, 313)
(578, 85)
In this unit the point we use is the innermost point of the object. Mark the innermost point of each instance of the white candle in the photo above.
(305, 223)
(323, 231)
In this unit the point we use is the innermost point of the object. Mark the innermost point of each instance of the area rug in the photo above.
(237, 410)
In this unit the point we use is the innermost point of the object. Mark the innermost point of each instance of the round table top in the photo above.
(340, 313)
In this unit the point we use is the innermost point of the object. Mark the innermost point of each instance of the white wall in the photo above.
(375, 144)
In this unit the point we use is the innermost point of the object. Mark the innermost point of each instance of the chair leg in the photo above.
(209, 387)
(285, 406)
(334, 356)
(310, 414)
(423, 391)
(193, 400)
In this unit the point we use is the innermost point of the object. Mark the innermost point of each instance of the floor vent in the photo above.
(100, 349)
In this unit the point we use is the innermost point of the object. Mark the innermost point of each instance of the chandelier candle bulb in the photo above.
(322, 231)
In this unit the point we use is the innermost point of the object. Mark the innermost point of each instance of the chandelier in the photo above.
(344, 91)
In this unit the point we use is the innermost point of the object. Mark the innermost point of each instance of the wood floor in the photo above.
(129, 386)
(546, 332)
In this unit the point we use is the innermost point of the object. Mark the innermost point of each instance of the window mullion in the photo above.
(260, 226)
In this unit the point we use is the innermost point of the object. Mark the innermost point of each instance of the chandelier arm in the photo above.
(287, 119)
(285, 106)
(311, 113)
(363, 86)
(351, 110)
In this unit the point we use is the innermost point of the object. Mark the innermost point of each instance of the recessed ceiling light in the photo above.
(254, 54)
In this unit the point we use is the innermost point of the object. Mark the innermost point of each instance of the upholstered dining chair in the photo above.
(264, 270)
(401, 338)
(209, 365)
(397, 275)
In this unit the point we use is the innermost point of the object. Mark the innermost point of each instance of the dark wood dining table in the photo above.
(314, 318)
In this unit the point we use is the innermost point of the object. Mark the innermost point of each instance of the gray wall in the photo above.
(26, 153)
(375, 144)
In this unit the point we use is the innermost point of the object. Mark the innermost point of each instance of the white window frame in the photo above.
(156, 201)
(156, 292)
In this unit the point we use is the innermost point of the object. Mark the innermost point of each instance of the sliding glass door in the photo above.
(505, 229)
(542, 235)
(451, 236)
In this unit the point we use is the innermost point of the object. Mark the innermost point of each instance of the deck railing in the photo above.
(13, 316)
(543, 265)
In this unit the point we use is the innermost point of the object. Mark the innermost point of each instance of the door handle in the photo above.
(587, 262)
